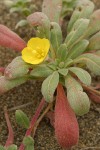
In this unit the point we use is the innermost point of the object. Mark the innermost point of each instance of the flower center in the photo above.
(38, 52)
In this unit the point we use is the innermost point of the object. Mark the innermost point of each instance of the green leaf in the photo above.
(78, 99)
(41, 71)
(84, 10)
(41, 20)
(2, 148)
(22, 119)
(79, 28)
(15, 9)
(92, 62)
(12, 147)
(73, 19)
(8, 3)
(56, 36)
(49, 86)
(6, 85)
(94, 25)
(68, 62)
(94, 42)
(63, 72)
(97, 52)
(52, 8)
(21, 23)
(62, 52)
(29, 143)
(17, 68)
(83, 75)
(78, 49)
(26, 11)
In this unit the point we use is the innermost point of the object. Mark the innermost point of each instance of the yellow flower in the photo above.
(36, 50)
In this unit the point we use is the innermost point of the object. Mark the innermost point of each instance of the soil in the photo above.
(30, 92)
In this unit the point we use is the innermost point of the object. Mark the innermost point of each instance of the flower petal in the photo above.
(29, 57)
(36, 50)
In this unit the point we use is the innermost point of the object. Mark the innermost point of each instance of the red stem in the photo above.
(11, 134)
(33, 121)
(2, 69)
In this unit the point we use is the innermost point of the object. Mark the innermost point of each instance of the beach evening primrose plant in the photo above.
(65, 65)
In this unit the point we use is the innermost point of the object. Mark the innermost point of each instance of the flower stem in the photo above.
(42, 116)
(11, 135)
(87, 88)
(33, 121)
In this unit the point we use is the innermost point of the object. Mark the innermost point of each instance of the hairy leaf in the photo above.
(78, 49)
(2, 148)
(6, 85)
(41, 71)
(49, 86)
(63, 72)
(10, 39)
(22, 119)
(94, 42)
(92, 62)
(12, 147)
(94, 25)
(78, 31)
(41, 20)
(29, 143)
(62, 52)
(78, 99)
(52, 8)
(66, 125)
(21, 23)
(17, 68)
(83, 9)
(83, 75)
(56, 36)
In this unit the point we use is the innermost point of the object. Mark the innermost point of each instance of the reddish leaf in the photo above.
(10, 39)
(94, 97)
(2, 70)
(66, 125)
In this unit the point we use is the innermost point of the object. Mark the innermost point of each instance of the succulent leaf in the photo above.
(56, 36)
(66, 125)
(49, 86)
(62, 52)
(83, 9)
(94, 42)
(41, 71)
(78, 49)
(41, 20)
(63, 72)
(22, 119)
(10, 39)
(12, 147)
(2, 148)
(52, 8)
(6, 85)
(92, 62)
(78, 99)
(83, 75)
(79, 28)
(29, 143)
(94, 25)
(17, 68)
